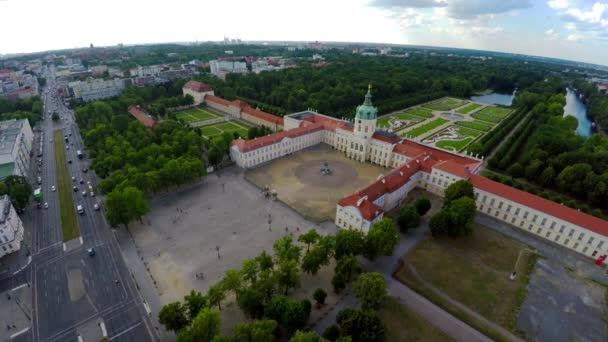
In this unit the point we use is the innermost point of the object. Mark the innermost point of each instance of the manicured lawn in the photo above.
(420, 111)
(467, 109)
(383, 123)
(487, 118)
(475, 271)
(425, 128)
(478, 125)
(69, 223)
(495, 111)
(468, 132)
(229, 126)
(195, 115)
(445, 104)
(454, 145)
(405, 325)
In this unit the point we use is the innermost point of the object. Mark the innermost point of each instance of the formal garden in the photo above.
(444, 104)
(452, 138)
(231, 127)
(196, 114)
(420, 130)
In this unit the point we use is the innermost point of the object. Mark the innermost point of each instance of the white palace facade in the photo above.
(414, 165)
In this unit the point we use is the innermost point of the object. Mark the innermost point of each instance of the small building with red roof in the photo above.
(198, 90)
(138, 113)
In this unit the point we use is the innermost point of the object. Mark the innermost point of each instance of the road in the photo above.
(72, 291)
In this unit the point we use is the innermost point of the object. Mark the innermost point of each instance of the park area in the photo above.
(473, 271)
(497, 112)
(214, 130)
(468, 108)
(445, 104)
(298, 181)
(196, 114)
(69, 223)
(427, 127)
(452, 138)
(475, 124)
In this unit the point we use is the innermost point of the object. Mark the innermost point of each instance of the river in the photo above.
(575, 107)
(495, 98)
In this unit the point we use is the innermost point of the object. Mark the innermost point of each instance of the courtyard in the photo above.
(299, 184)
(214, 130)
(196, 114)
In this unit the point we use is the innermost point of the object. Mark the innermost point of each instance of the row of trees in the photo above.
(546, 151)
(260, 287)
(19, 190)
(409, 215)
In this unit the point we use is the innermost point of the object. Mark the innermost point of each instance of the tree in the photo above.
(361, 325)
(348, 242)
(348, 267)
(423, 205)
(288, 275)
(440, 223)
(319, 296)
(173, 316)
(462, 213)
(205, 327)
(216, 295)
(317, 257)
(256, 331)
(461, 188)
(332, 332)
(232, 281)
(55, 116)
(195, 302)
(264, 261)
(18, 189)
(338, 282)
(251, 301)
(370, 290)
(290, 313)
(285, 249)
(125, 205)
(408, 218)
(311, 336)
(516, 170)
(249, 270)
(547, 177)
(381, 239)
(309, 238)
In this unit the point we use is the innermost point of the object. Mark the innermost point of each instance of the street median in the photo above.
(69, 223)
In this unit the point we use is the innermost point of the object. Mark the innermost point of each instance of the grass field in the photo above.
(425, 128)
(195, 115)
(495, 111)
(383, 123)
(487, 118)
(467, 109)
(475, 271)
(228, 126)
(420, 111)
(478, 125)
(445, 104)
(69, 223)
(457, 145)
(405, 325)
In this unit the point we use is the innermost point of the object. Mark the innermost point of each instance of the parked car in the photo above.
(46, 205)
(53, 188)
(96, 206)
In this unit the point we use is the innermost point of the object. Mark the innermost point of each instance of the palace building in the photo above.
(414, 165)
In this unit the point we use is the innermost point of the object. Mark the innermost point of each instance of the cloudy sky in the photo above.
(570, 29)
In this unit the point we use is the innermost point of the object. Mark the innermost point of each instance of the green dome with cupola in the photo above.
(367, 111)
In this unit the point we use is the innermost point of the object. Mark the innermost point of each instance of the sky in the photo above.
(568, 29)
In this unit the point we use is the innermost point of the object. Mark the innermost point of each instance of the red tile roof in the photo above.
(216, 99)
(368, 210)
(198, 86)
(248, 145)
(142, 116)
(263, 115)
(543, 205)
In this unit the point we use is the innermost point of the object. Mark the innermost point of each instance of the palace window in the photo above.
(575, 246)
(509, 208)
(534, 219)
(500, 205)
(517, 211)
(561, 230)
(539, 230)
(543, 222)
(585, 249)
(600, 245)
(571, 233)
(594, 253)
(513, 220)
(492, 202)
(504, 217)
(526, 215)
(553, 225)
(580, 237)
(530, 226)
(548, 234)
(556, 237)
(566, 242)
(484, 199)
(590, 240)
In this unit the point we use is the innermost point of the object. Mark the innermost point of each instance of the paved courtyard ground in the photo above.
(299, 183)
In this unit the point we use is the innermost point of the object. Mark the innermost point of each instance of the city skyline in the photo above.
(566, 29)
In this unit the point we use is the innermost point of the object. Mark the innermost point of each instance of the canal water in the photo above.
(575, 107)
(495, 98)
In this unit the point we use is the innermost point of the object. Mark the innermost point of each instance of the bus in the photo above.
(38, 194)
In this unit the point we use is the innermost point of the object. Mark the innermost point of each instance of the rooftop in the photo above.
(198, 86)
(9, 131)
(142, 116)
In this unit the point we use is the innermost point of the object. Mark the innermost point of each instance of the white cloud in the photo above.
(558, 4)
(573, 38)
(551, 34)
(593, 16)
(570, 27)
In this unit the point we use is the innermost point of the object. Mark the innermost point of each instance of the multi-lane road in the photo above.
(75, 295)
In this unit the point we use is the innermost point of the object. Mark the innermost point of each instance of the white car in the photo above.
(46, 205)
(73, 179)
(53, 188)
(96, 206)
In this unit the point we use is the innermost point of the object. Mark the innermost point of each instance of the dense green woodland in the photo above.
(338, 88)
(30, 109)
(545, 151)
(128, 155)
(596, 101)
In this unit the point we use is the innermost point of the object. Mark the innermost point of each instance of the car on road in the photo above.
(46, 205)
(69, 161)
(75, 189)
(91, 251)
(38, 205)
(73, 179)
(85, 170)
(80, 209)
(96, 206)
(84, 193)
(81, 181)
(67, 147)
(53, 188)
(39, 180)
